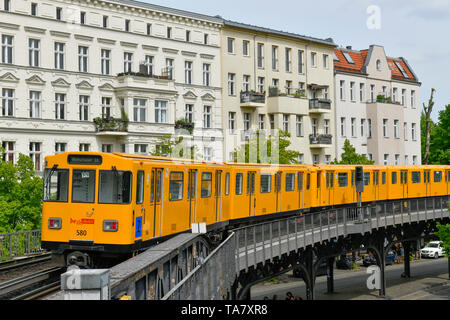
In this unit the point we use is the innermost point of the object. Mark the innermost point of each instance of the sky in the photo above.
(417, 30)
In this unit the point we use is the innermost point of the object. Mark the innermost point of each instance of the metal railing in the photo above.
(319, 104)
(253, 97)
(320, 139)
(19, 244)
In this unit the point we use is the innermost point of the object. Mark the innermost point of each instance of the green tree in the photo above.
(272, 150)
(20, 195)
(444, 235)
(440, 139)
(174, 147)
(351, 157)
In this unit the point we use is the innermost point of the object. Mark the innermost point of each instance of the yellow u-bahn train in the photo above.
(98, 206)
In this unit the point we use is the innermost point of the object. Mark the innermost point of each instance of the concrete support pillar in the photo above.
(406, 262)
(80, 284)
(309, 261)
(330, 275)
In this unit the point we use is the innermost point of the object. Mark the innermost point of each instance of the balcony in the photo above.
(319, 106)
(251, 99)
(288, 103)
(320, 140)
(111, 126)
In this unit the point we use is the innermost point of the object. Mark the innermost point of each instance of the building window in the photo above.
(313, 59)
(232, 121)
(272, 121)
(414, 160)
(107, 148)
(299, 126)
(106, 61)
(386, 159)
(261, 84)
(300, 158)
(397, 159)
(413, 99)
(342, 127)
(7, 5)
(8, 147)
(394, 95)
(149, 29)
(35, 104)
(189, 113)
(82, 17)
(205, 38)
(326, 126)
(325, 61)
(245, 48)
(315, 159)
(372, 93)
(230, 45)
(396, 136)
(385, 128)
(169, 33)
(231, 89)
(127, 62)
(207, 156)
(369, 126)
(7, 49)
(275, 58)
(188, 36)
(140, 149)
(33, 49)
(363, 126)
(59, 55)
(139, 110)
(378, 63)
(352, 91)
(58, 13)
(207, 117)
(7, 102)
(84, 147)
(160, 111)
(206, 74)
(286, 122)
(404, 98)
(247, 121)
(170, 68)
(300, 61)
(84, 108)
(353, 127)
(342, 89)
(149, 64)
(406, 160)
(405, 131)
(60, 147)
(413, 131)
(188, 72)
(105, 21)
(260, 52)
(60, 106)
(314, 126)
(261, 120)
(327, 159)
(246, 83)
(106, 107)
(288, 59)
(361, 92)
(83, 59)
(127, 25)
(35, 154)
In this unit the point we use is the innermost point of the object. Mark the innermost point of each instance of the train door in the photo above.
(447, 180)
(353, 184)
(278, 191)
(251, 192)
(376, 185)
(426, 180)
(300, 190)
(218, 195)
(156, 196)
(404, 183)
(192, 196)
(330, 185)
(319, 191)
(139, 210)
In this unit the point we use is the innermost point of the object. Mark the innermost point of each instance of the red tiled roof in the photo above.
(359, 58)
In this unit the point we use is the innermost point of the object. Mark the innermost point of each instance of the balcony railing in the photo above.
(319, 104)
(250, 96)
(320, 139)
(165, 74)
(109, 124)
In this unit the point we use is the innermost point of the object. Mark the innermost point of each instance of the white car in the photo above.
(432, 250)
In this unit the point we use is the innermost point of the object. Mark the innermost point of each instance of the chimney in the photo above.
(349, 47)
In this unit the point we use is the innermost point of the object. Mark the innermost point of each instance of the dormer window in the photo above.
(348, 58)
(378, 65)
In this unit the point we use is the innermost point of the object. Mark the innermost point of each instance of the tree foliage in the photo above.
(349, 156)
(20, 195)
(271, 150)
(439, 138)
(174, 147)
(444, 235)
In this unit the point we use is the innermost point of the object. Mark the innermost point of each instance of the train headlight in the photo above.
(110, 225)
(54, 223)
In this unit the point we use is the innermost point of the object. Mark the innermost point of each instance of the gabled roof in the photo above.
(400, 68)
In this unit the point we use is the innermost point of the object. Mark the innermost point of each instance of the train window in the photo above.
(426, 176)
(300, 181)
(383, 177)
(266, 182)
(415, 176)
(176, 186)
(56, 185)
(343, 179)
(290, 182)
(83, 186)
(206, 184)
(227, 184)
(437, 176)
(318, 179)
(239, 179)
(308, 181)
(353, 178)
(394, 178)
(329, 178)
(375, 178)
(140, 187)
(114, 187)
(366, 178)
(250, 182)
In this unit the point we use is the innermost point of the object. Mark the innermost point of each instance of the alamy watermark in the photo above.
(374, 280)
(373, 21)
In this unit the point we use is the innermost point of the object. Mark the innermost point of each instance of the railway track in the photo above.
(25, 261)
(32, 286)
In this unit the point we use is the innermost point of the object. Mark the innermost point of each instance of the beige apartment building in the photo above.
(377, 106)
(275, 80)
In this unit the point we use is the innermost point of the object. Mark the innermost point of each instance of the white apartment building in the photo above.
(65, 64)
(274, 80)
(377, 107)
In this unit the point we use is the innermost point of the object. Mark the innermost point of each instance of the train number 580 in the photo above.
(81, 233)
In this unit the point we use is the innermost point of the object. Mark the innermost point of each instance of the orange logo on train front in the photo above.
(82, 221)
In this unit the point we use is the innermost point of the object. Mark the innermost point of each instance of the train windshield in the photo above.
(83, 186)
(56, 185)
(115, 187)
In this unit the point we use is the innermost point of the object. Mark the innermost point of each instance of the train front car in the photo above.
(87, 205)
